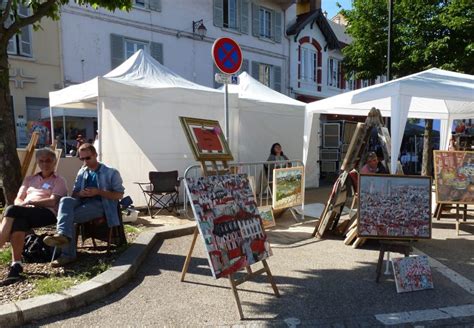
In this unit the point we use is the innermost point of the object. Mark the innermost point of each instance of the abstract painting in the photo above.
(228, 221)
(412, 273)
(288, 187)
(394, 206)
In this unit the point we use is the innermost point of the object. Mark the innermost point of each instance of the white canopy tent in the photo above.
(268, 116)
(431, 94)
(138, 105)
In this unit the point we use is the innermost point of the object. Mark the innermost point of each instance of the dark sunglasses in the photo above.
(85, 158)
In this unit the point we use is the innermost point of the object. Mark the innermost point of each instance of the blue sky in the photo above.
(332, 9)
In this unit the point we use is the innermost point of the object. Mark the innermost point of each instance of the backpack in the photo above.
(36, 251)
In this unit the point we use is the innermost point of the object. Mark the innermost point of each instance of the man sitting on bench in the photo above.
(96, 193)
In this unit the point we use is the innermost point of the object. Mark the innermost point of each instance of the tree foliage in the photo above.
(11, 23)
(429, 33)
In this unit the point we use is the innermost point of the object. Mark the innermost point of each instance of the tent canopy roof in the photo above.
(140, 70)
(251, 89)
(434, 93)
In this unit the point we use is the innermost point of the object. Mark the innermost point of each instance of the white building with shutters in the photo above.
(96, 41)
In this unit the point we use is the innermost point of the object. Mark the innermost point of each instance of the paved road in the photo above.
(322, 284)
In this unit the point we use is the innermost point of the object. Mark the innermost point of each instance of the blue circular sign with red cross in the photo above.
(227, 55)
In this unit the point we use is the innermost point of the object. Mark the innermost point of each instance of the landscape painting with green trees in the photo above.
(288, 187)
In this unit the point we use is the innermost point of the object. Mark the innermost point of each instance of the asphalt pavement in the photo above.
(323, 283)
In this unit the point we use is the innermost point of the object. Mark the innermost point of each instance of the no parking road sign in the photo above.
(227, 55)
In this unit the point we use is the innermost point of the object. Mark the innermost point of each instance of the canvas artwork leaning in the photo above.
(394, 207)
(228, 221)
(288, 187)
(412, 273)
(266, 213)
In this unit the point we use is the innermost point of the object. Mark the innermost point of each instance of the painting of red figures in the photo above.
(394, 206)
(412, 273)
(454, 176)
(228, 221)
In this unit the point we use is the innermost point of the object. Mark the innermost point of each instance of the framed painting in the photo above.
(266, 213)
(288, 187)
(412, 273)
(394, 207)
(454, 177)
(206, 139)
(228, 221)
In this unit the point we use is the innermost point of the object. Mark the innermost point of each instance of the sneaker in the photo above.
(14, 274)
(56, 240)
(62, 261)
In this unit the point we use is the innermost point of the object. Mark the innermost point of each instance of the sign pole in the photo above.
(226, 112)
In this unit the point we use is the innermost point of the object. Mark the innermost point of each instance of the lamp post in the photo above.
(199, 28)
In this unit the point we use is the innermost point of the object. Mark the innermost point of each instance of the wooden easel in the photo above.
(461, 215)
(232, 280)
(30, 150)
(343, 188)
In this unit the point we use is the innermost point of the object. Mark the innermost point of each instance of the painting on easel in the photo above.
(394, 207)
(266, 213)
(454, 177)
(412, 273)
(206, 139)
(228, 221)
(288, 187)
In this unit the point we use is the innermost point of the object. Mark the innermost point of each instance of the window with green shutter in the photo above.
(122, 48)
(231, 14)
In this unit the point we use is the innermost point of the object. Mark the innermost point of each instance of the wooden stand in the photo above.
(461, 215)
(404, 248)
(343, 187)
(234, 282)
(30, 150)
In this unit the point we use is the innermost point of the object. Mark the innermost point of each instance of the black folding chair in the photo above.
(162, 192)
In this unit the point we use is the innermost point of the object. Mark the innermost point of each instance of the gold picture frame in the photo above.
(206, 139)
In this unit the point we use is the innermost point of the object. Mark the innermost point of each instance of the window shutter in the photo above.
(156, 51)
(255, 20)
(12, 46)
(244, 16)
(277, 78)
(117, 50)
(255, 70)
(154, 5)
(218, 13)
(277, 27)
(25, 41)
(245, 66)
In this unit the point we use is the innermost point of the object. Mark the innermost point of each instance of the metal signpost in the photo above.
(227, 56)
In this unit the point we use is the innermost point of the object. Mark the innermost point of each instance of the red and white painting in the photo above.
(412, 273)
(229, 222)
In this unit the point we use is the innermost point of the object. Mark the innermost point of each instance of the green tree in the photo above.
(10, 24)
(426, 34)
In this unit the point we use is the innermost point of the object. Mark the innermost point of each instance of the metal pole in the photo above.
(226, 114)
(390, 39)
(64, 135)
(52, 124)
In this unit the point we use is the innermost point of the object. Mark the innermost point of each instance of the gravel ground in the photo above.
(87, 257)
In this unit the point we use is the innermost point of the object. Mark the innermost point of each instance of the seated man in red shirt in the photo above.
(35, 206)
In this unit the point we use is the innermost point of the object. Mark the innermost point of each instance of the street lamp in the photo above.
(199, 28)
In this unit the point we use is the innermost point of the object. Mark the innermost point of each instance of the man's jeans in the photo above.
(76, 210)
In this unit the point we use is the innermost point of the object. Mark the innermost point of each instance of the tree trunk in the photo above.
(10, 170)
(427, 164)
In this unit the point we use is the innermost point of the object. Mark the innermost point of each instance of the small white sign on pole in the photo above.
(226, 78)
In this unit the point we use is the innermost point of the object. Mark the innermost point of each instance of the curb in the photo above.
(124, 268)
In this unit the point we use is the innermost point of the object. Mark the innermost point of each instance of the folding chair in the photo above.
(161, 191)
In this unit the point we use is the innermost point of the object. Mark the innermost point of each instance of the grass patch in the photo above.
(131, 229)
(5, 256)
(55, 284)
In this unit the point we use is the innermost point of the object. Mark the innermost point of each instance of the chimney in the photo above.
(306, 6)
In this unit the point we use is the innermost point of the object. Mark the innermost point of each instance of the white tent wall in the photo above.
(141, 132)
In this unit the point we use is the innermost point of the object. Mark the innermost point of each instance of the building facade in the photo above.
(35, 70)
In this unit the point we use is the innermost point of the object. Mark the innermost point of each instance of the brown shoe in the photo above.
(56, 240)
(62, 261)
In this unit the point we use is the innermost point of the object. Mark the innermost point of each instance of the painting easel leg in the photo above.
(188, 257)
(270, 278)
(236, 296)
